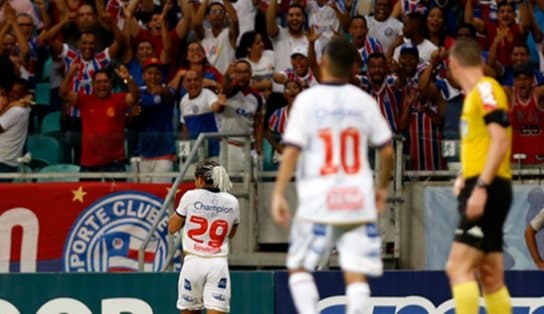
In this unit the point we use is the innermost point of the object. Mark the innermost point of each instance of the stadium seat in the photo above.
(64, 168)
(50, 123)
(44, 149)
(43, 94)
(268, 154)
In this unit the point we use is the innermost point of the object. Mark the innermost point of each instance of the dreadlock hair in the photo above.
(214, 175)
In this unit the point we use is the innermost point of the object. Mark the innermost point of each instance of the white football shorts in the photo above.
(359, 246)
(204, 282)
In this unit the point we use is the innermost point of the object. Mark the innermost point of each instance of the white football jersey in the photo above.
(209, 219)
(333, 126)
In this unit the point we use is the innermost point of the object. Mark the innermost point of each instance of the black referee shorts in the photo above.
(485, 233)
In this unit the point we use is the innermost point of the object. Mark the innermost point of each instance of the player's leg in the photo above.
(309, 244)
(359, 248)
(491, 270)
(497, 297)
(190, 285)
(216, 292)
(461, 267)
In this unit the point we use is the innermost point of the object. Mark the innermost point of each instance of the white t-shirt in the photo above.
(537, 223)
(323, 18)
(333, 126)
(385, 31)
(197, 106)
(283, 45)
(246, 12)
(209, 219)
(425, 49)
(264, 68)
(218, 49)
(12, 140)
(239, 113)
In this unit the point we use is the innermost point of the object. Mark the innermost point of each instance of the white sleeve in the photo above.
(184, 203)
(295, 133)
(537, 223)
(11, 117)
(380, 133)
(237, 211)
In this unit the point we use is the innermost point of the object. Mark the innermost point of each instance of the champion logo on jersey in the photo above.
(107, 236)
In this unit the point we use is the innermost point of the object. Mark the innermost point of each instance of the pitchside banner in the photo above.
(441, 219)
(101, 293)
(412, 292)
(81, 227)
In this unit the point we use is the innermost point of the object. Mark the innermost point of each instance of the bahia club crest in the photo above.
(106, 236)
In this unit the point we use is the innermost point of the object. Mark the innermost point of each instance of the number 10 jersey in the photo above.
(209, 219)
(333, 126)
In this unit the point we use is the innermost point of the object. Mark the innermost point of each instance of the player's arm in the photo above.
(280, 209)
(175, 222)
(497, 121)
(233, 231)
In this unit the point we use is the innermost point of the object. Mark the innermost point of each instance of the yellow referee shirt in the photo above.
(486, 102)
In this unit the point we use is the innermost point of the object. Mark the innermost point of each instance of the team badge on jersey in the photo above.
(107, 235)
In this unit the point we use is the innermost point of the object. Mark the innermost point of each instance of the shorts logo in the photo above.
(187, 285)
(107, 235)
(222, 283)
(219, 296)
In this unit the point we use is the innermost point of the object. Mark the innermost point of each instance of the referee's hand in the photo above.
(476, 203)
(280, 210)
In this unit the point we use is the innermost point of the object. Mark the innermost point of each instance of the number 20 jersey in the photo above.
(333, 126)
(209, 219)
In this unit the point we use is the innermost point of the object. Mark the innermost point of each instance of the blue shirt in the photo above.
(155, 127)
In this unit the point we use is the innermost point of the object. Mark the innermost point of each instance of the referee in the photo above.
(483, 188)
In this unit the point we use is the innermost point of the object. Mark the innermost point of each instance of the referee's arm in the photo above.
(498, 146)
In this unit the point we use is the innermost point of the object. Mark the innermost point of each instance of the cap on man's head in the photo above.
(299, 50)
(525, 69)
(151, 62)
(410, 49)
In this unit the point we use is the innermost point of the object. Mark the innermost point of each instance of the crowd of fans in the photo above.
(148, 72)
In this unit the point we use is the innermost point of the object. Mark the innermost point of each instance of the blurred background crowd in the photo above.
(113, 79)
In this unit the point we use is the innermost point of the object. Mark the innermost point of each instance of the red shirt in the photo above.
(505, 47)
(527, 129)
(103, 129)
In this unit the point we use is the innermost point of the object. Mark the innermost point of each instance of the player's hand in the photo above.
(476, 203)
(280, 211)
(381, 198)
(458, 185)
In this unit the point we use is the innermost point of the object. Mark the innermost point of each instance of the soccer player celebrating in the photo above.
(208, 215)
(483, 188)
(329, 129)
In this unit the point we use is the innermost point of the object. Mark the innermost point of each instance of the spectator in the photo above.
(506, 29)
(278, 119)
(284, 40)
(242, 112)
(520, 56)
(157, 33)
(155, 129)
(382, 26)
(135, 64)
(526, 116)
(35, 45)
(90, 61)
(103, 115)
(413, 31)
(14, 43)
(419, 118)
(197, 111)
(218, 41)
(359, 37)
(536, 225)
(299, 70)
(383, 88)
(14, 114)
(327, 16)
(436, 28)
(251, 48)
(196, 60)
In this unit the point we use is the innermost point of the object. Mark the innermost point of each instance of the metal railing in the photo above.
(172, 192)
